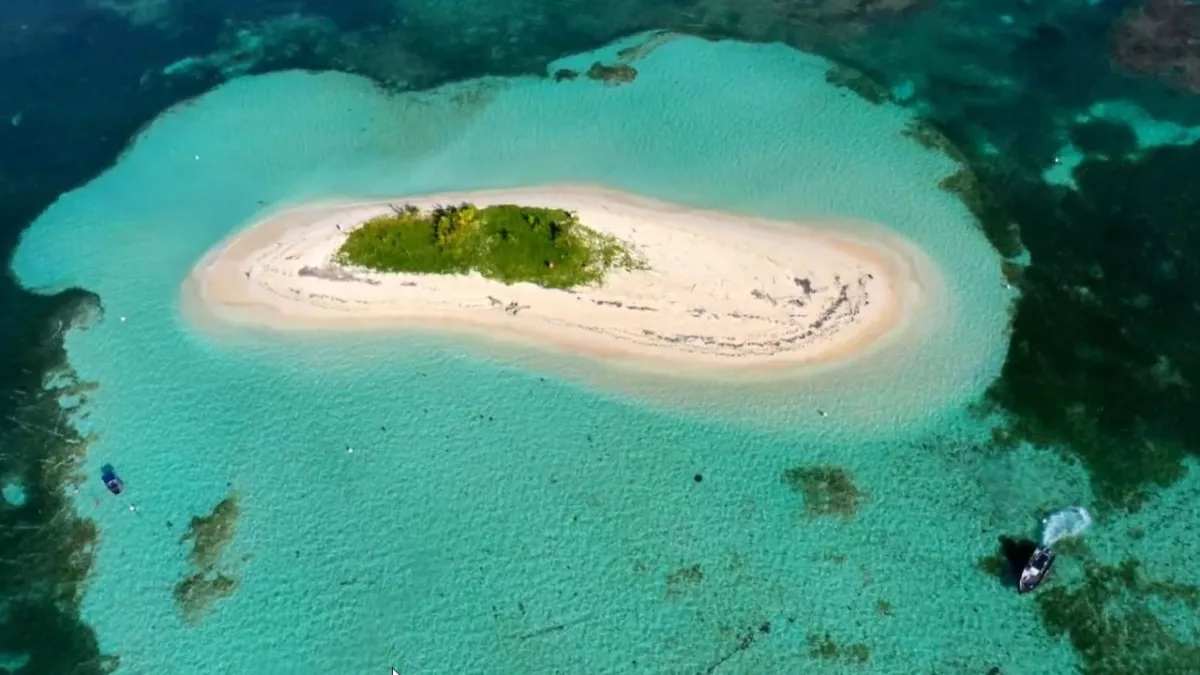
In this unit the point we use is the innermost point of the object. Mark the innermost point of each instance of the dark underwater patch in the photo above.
(827, 490)
(1104, 349)
(1110, 619)
(680, 579)
(206, 581)
(46, 548)
(858, 82)
(821, 646)
(1104, 138)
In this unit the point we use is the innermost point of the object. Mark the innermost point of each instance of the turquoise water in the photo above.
(505, 514)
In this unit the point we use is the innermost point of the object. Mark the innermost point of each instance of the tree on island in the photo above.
(506, 242)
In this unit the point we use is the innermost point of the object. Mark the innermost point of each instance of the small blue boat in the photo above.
(111, 480)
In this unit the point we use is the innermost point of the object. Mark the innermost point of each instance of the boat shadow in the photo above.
(1013, 555)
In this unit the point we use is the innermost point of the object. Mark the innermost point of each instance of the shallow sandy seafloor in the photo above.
(507, 511)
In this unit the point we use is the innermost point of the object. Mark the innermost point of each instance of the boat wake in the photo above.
(1070, 521)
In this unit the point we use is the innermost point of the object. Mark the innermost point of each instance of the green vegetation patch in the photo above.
(508, 243)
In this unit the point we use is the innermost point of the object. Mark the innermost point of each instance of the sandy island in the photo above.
(720, 290)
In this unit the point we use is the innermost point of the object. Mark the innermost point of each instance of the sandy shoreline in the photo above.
(721, 290)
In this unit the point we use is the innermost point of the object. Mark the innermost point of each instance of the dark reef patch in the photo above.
(1111, 620)
(1104, 138)
(211, 535)
(822, 646)
(858, 82)
(74, 91)
(618, 74)
(1101, 363)
(46, 548)
(682, 578)
(205, 583)
(827, 490)
(1159, 39)
(1112, 615)
(1003, 233)
(1104, 350)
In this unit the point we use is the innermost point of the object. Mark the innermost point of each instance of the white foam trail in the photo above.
(1070, 521)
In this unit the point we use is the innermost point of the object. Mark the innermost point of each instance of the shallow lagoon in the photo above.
(505, 513)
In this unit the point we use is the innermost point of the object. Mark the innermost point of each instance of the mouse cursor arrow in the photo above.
(395, 672)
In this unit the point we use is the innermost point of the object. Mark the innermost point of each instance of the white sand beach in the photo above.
(721, 290)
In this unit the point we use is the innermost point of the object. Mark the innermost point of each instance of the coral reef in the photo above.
(618, 74)
(1113, 616)
(822, 646)
(682, 578)
(1101, 366)
(827, 490)
(46, 547)
(210, 536)
(858, 82)
(1161, 39)
(994, 222)
(1114, 621)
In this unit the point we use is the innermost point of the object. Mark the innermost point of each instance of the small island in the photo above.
(504, 242)
(573, 268)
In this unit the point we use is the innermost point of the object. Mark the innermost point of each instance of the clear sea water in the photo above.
(503, 514)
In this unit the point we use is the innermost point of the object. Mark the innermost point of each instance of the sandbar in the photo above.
(721, 290)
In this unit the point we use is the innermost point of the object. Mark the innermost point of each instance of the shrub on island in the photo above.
(507, 243)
